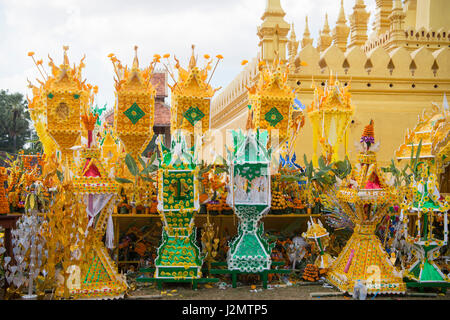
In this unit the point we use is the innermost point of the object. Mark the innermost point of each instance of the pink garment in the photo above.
(373, 184)
(92, 171)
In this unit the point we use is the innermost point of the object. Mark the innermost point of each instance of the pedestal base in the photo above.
(363, 258)
(424, 269)
(101, 280)
(178, 258)
(248, 254)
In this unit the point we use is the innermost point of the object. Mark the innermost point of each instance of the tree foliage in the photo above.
(15, 128)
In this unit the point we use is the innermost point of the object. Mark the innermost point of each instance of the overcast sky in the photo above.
(97, 28)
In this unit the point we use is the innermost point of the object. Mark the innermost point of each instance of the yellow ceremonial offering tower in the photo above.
(109, 148)
(330, 115)
(271, 100)
(37, 110)
(365, 198)
(135, 105)
(65, 93)
(191, 97)
(433, 128)
(98, 192)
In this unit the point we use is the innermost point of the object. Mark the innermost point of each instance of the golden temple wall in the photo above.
(392, 88)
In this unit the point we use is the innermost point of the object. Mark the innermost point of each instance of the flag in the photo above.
(298, 105)
(445, 103)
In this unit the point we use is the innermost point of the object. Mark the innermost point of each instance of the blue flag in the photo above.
(298, 105)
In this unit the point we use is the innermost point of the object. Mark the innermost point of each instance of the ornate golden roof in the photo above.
(315, 230)
(433, 128)
(133, 78)
(62, 78)
(333, 97)
(193, 81)
(272, 82)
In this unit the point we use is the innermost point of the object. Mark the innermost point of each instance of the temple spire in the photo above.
(397, 19)
(306, 35)
(325, 37)
(383, 10)
(358, 24)
(341, 31)
(273, 32)
(292, 46)
(273, 7)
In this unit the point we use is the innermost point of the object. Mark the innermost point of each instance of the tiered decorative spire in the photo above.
(397, 18)
(384, 8)
(67, 95)
(194, 80)
(129, 77)
(307, 40)
(358, 24)
(325, 36)
(273, 32)
(292, 46)
(191, 93)
(341, 31)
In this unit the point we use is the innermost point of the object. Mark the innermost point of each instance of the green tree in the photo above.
(34, 144)
(15, 129)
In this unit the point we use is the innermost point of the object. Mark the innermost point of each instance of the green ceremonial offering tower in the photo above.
(250, 198)
(178, 202)
(426, 204)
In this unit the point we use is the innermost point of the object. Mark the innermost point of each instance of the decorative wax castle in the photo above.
(399, 68)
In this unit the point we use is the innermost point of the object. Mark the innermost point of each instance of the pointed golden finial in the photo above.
(66, 59)
(293, 35)
(331, 82)
(342, 13)
(306, 27)
(192, 61)
(136, 60)
(306, 35)
(326, 27)
(249, 125)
